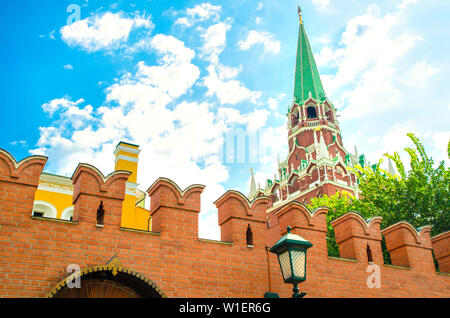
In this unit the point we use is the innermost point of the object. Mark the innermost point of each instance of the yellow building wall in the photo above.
(134, 217)
(143, 221)
(60, 201)
(128, 211)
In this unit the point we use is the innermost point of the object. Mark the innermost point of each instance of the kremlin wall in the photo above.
(119, 259)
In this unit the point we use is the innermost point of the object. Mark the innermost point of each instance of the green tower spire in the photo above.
(307, 77)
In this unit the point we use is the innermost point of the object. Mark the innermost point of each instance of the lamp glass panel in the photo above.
(298, 262)
(285, 263)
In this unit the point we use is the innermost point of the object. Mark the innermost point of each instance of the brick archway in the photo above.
(107, 282)
(99, 288)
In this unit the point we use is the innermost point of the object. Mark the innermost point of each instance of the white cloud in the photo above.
(228, 92)
(420, 74)
(439, 142)
(260, 37)
(228, 72)
(220, 80)
(254, 120)
(172, 48)
(258, 20)
(208, 226)
(214, 41)
(272, 144)
(70, 114)
(395, 139)
(324, 39)
(325, 56)
(260, 6)
(68, 67)
(406, 3)
(22, 143)
(201, 12)
(362, 78)
(380, 82)
(184, 21)
(321, 4)
(60, 103)
(102, 32)
(158, 84)
(273, 102)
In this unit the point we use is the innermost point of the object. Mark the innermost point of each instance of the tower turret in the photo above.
(127, 158)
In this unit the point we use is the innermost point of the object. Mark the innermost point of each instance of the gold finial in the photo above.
(251, 170)
(300, 14)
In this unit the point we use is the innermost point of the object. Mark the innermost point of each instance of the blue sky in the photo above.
(177, 76)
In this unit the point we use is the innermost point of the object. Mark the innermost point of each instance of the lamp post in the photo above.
(291, 252)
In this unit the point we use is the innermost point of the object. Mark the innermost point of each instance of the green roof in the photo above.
(307, 77)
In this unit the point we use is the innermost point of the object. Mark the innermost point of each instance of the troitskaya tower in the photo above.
(317, 163)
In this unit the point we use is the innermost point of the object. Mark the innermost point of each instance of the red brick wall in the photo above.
(35, 252)
(441, 248)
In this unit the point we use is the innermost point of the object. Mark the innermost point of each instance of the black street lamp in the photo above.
(291, 252)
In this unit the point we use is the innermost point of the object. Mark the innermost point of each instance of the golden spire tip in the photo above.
(300, 14)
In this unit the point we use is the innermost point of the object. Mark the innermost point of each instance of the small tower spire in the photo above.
(391, 167)
(252, 184)
(315, 137)
(323, 151)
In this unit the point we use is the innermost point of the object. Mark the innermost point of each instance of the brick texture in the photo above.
(35, 252)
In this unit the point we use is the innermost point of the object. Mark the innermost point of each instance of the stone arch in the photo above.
(328, 112)
(107, 281)
(275, 193)
(293, 183)
(67, 213)
(341, 171)
(48, 210)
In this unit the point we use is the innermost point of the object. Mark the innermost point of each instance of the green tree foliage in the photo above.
(338, 204)
(419, 196)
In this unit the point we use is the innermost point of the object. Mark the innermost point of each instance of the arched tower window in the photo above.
(311, 112)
